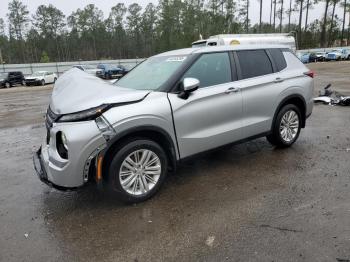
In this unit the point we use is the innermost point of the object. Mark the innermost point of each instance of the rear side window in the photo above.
(211, 69)
(254, 63)
(278, 58)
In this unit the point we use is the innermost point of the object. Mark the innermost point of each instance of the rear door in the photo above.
(260, 84)
(212, 115)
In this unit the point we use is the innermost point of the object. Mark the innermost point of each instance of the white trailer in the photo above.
(286, 39)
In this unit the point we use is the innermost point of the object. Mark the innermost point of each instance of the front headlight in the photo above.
(85, 115)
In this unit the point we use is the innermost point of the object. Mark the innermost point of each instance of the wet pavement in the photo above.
(249, 202)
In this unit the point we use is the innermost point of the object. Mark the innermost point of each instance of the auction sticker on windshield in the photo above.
(176, 59)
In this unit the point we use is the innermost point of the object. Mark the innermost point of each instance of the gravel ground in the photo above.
(250, 202)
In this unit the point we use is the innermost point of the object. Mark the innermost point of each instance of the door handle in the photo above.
(279, 80)
(232, 90)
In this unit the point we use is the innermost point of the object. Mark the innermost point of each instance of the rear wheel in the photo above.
(137, 170)
(286, 128)
(43, 82)
(7, 85)
(23, 83)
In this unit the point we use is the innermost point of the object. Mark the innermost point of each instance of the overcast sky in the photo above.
(68, 6)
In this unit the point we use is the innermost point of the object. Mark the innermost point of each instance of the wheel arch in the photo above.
(153, 133)
(296, 100)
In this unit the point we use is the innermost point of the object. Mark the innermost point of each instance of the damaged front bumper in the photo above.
(85, 142)
(42, 173)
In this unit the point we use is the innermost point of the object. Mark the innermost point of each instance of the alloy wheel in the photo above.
(140, 171)
(289, 126)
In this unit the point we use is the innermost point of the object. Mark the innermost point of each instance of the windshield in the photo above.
(152, 73)
(38, 74)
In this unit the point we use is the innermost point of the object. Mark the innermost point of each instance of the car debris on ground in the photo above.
(330, 97)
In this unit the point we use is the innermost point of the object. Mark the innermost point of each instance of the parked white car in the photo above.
(41, 78)
(89, 69)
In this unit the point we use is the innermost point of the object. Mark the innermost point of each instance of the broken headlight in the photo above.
(105, 127)
(89, 114)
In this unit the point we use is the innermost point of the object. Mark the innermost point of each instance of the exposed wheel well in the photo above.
(163, 140)
(297, 101)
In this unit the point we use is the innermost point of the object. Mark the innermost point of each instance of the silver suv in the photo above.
(174, 105)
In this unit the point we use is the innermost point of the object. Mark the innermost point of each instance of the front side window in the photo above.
(211, 69)
(254, 63)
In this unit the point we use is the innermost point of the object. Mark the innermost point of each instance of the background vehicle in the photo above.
(335, 54)
(10, 79)
(41, 78)
(321, 56)
(88, 69)
(170, 107)
(312, 57)
(111, 71)
(305, 58)
(286, 40)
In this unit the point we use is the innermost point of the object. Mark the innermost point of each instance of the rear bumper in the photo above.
(41, 172)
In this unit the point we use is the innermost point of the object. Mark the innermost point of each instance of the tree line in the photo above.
(132, 31)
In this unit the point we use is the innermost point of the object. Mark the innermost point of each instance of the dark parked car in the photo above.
(111, 71)
(9, 79)
(313, 57)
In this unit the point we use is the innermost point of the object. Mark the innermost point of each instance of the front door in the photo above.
(212, 115)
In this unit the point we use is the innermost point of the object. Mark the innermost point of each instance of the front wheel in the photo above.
(286, 128)
(137, 170)
(43, 82)
(7, 85)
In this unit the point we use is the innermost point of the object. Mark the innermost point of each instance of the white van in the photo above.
(286, 39)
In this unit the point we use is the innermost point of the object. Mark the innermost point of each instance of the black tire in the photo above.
(54, 80)
(42, 82)
(7, 85)
(120, 154)
(23, 83)
(275, 138)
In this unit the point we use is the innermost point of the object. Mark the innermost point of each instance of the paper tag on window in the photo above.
(176, 59)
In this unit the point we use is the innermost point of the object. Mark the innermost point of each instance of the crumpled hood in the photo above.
(76, 91)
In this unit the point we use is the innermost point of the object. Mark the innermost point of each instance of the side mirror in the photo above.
(189, 85)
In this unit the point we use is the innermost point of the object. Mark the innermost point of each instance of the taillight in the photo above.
(310, 73)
